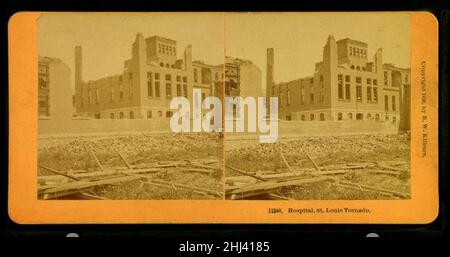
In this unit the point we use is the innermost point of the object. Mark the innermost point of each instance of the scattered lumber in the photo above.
(79, 186)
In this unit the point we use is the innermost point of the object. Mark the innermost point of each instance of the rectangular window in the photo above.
(150, 88)
(311, 98)
(168, 90)
(302, 95)
(178, 78)
(185, 90)
(375, 83)
(358, 80)
(184, 79)
(394, 106)
(111, 93)
(375, 94)
(288, 97)
(369, 94)
(358, 93)
(369, 81)
(149, 84)
(340, 87)
(149, 114)
(195, 76)
(178, 90)
(157, 89)
(168, 77)
(347, 78)
(385, 78)
(97, 96)
(347, 91)
(156, 75)
(386, 103)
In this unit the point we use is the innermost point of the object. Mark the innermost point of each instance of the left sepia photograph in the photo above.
(105, 85)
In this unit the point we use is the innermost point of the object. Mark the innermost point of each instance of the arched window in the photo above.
(339, 116)
(167, 65)
(377, 117)
(121, 115)
(350, 116)
(322, 117)
(131, 115)
(369, 116)
(311, 116)
(111, 116)
(358, 68)
(303, 117)
(352, 67)
(161, 64)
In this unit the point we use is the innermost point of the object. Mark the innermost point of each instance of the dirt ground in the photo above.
(65, 154)
(251, 156)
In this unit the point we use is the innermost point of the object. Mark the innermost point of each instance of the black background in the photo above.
(292, 238)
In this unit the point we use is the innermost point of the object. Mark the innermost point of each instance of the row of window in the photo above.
(121, 115)
(167, 77)
(349, 116)
(166, 49)
(216, 76)
(358, 80)
(358, 52)
(153, 87)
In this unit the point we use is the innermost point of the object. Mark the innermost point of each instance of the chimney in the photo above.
(269, 75)
(378, 60)
(78, 79)
(78, 66)
(188, 58)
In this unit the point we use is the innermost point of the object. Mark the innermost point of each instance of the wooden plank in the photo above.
(124, 160)
(58, 172)
(102, 173)
(91, 151)
(313, 162)
(245, 173)
(187, 187)
(268, 185)
(79, 185)
(285, 162)
(390, 168)
(403, 195)
(210, 172)
(204, 166)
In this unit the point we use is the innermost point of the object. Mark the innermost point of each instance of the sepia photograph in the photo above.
(105, 87)
(342, 86)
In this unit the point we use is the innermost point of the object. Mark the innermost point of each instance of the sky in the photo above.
(297, 38)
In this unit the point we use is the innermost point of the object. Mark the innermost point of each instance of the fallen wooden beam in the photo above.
(79, 176)
(79, 185)
(269, 185)
(58, 172)
(187, 187)
(205, 171)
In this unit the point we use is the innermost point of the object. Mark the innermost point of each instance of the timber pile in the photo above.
(265, 184)
(78, 183)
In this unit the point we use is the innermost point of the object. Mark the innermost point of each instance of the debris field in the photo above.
(346, 167)
(138, 166)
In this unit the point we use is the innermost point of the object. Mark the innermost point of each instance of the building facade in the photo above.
(149, 80)
(54, 91)
(344, 86)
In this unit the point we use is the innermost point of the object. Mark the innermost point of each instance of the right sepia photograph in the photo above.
(339, 85)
